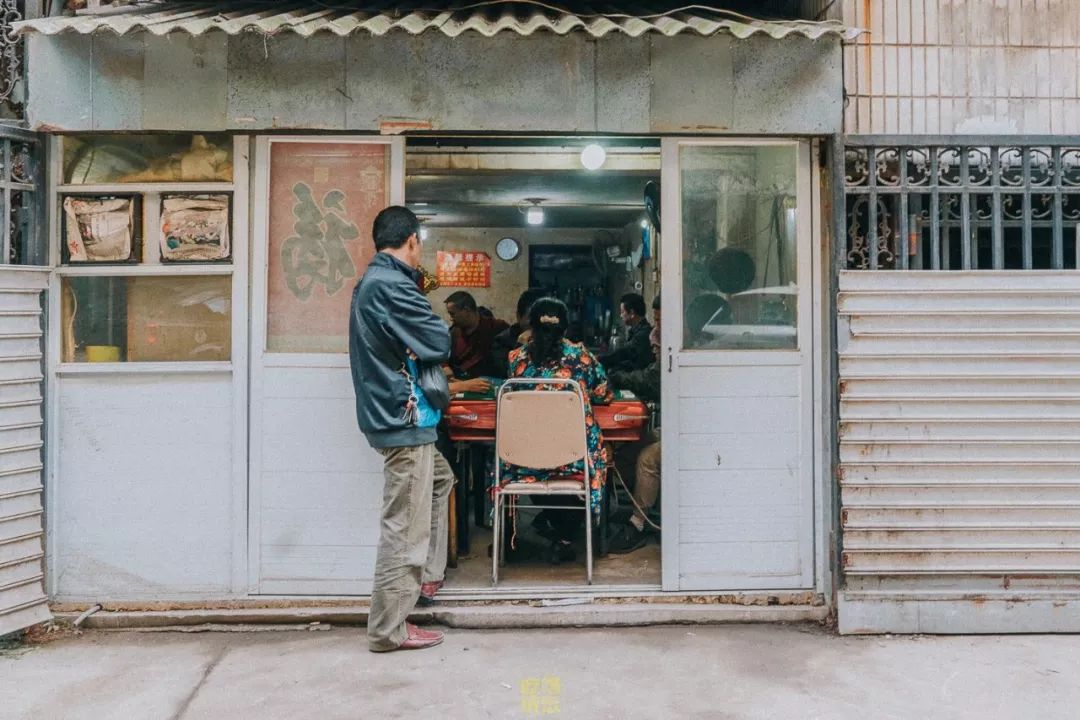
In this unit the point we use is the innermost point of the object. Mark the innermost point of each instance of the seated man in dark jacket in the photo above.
(508, 339)
(636, 354)
(471, 338)
(643, 456)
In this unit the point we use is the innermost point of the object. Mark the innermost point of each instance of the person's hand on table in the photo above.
(475, 385)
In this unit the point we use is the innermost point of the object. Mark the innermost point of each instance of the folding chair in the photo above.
(544, 430)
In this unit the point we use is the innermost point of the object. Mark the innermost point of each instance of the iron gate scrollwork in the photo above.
(962, 206)
(11, 47)
(20, 195)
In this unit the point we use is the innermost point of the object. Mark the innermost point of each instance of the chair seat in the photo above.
(547, 487)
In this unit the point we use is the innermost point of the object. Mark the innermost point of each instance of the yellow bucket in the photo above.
(102, 353)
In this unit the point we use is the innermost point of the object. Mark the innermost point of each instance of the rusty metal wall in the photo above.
(963, 66)
(22, 552)
(959, 451)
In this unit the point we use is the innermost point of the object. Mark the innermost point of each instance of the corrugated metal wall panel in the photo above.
(959, 436)
(962, 67)
(22, 547)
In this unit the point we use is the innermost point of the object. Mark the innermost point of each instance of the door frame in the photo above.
(259, 359)
(810, 324)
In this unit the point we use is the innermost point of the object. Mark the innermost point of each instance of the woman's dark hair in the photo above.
(548, 319)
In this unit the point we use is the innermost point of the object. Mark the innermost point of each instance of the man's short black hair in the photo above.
(633, 303)
(393, 226)
(656, 303)
(526, 299)
(462, 300)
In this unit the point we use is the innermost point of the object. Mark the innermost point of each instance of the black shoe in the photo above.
(627, 539)
(542, 527)
(561, 552)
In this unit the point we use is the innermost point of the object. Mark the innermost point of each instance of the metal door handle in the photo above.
(467, 417)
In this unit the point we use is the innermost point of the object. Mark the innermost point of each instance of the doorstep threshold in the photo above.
(500, 615)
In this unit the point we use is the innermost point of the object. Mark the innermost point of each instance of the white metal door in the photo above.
(316, 486)
(738, 425)
(22, 552)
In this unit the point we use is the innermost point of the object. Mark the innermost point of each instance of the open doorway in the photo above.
(502, 216)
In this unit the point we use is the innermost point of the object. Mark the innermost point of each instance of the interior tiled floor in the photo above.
(531, 568)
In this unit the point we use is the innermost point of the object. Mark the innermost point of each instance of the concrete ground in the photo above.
(716, 672)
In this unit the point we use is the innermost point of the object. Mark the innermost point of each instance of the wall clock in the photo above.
(508, 248)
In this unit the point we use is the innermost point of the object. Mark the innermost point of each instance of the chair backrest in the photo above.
(542, 429)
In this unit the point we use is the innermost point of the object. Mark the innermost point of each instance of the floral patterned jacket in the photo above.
(579, 364)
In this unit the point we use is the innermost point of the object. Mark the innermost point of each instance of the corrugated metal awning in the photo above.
(486, 18)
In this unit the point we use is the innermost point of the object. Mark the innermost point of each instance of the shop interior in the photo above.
(570, 218)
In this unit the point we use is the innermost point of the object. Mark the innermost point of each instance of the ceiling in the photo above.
(471, 187)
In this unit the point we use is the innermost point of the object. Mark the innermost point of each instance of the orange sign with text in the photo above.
(463, 269)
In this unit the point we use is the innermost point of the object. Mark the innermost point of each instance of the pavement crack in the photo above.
(182, 710)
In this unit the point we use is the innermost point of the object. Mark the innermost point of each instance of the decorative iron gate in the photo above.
(20, 183)
(1010, 203)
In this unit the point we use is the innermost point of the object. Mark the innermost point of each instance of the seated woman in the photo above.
(548, 354)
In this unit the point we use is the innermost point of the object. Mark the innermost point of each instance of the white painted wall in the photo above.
(143, 496)
(319, 487)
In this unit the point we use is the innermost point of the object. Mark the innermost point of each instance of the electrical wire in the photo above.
(644, 514)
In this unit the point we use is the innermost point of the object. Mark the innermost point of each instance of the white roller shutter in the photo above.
(22, 593)
(960, 451)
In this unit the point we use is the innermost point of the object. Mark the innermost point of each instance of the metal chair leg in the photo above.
(588, 539)
(605, 522)
(496, 540)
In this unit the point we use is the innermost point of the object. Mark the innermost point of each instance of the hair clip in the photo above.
(549, 319)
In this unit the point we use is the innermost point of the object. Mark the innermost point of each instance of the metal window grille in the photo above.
(20, 182)
(948, 204)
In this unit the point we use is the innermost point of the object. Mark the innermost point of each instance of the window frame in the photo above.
(151, 265)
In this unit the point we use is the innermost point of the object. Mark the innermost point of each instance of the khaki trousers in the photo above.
(639, 465)
(647, 478)
(412, 538)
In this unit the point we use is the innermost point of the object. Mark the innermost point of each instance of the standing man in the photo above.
(392, 330)
(637, 354)
(471, 338)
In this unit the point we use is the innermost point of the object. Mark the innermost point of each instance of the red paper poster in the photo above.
(463, 269)
(323, 200)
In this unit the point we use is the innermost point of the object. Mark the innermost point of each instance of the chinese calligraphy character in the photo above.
(540, 696)
(316, 254)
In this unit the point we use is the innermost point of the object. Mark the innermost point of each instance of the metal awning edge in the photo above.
(200, 18)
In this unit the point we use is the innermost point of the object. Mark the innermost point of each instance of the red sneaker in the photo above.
(427, 593)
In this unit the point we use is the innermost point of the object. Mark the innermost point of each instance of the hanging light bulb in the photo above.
(593, 156)
(535, 215)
